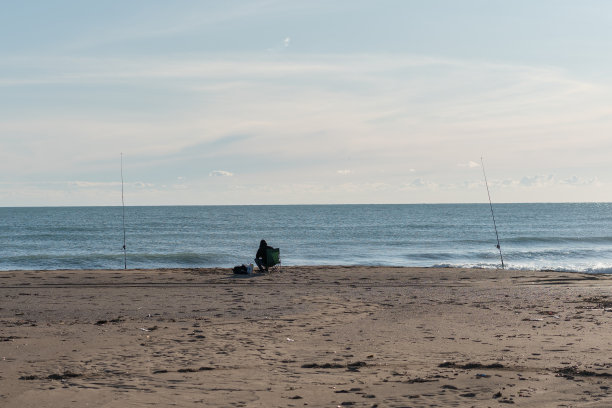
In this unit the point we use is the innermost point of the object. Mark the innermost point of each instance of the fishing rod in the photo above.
(492, 214)
(123, 211)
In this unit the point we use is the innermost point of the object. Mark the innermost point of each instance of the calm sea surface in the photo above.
(573, 237)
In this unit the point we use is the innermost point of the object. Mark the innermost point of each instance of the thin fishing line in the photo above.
(492, 214)
(123, 212)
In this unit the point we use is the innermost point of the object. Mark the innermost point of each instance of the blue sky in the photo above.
(283, 102)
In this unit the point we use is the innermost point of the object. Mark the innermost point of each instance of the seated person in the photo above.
(260, 256)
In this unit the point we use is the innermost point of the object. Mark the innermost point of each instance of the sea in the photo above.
(557, 236)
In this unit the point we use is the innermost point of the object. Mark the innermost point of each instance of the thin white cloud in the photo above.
(286, 42)
(546, 180)
(471, 164)
(94, 184)
(580, 181)
(101, 184)
(143, 185)
(220, 173)
(422, 183)
(537, 181)
(344, 172)
(167, 21)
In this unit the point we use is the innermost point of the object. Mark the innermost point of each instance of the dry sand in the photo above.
(307, 336)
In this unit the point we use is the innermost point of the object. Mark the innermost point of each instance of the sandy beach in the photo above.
(324, 336)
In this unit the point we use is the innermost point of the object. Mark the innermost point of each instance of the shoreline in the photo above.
(220, 268)
(309, 335)
(228, 269)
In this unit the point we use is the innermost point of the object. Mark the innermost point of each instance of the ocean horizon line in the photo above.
(304, 205)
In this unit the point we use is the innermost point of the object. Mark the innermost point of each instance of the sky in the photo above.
(304, 102)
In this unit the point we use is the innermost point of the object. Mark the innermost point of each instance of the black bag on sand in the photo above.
(241, 270)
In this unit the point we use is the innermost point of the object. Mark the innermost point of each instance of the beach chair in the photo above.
(273, 262)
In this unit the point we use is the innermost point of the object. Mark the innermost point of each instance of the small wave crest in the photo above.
(179, 259)
(577, 268)
(103, 261)
(558, 240)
